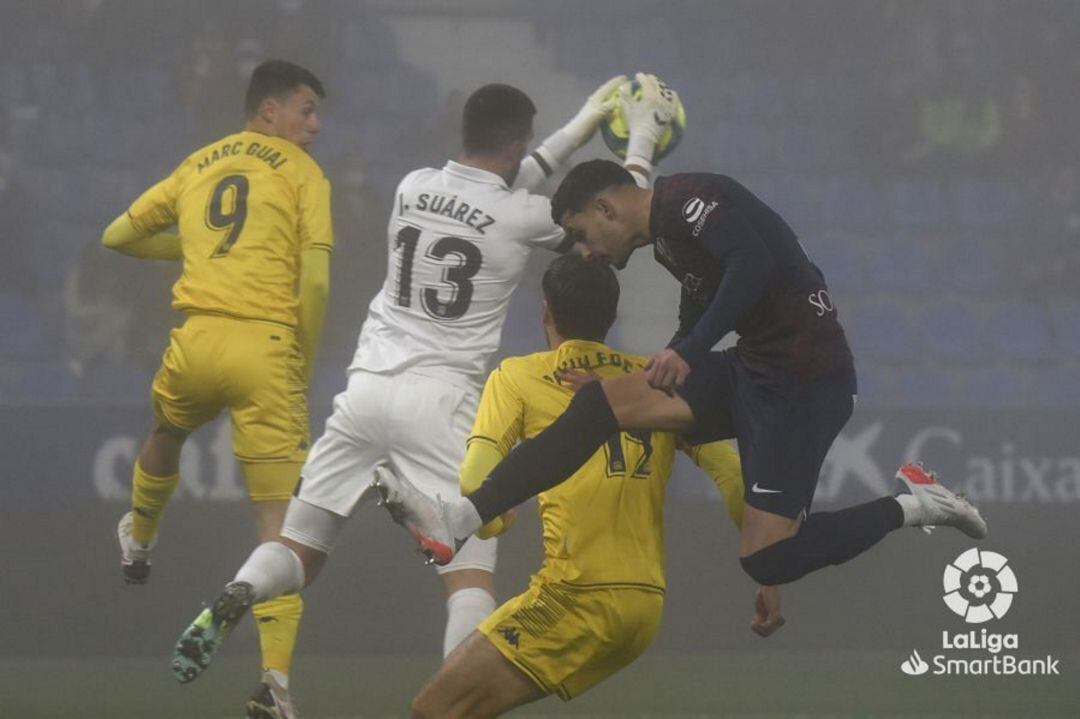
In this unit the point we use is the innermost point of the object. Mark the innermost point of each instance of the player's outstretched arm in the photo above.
(314, 291)
(498, 427)
(480, 458)
(316, 243)
(122, 235)
(557, 148)
(749, 266)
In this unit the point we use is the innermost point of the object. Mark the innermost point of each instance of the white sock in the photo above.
(280, 678)
(465, 609)
(912, 507)
(272, 570)
(463, 517)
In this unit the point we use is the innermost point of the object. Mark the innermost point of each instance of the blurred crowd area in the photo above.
(925, 152)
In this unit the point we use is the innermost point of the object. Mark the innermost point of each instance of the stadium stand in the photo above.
(919, 246)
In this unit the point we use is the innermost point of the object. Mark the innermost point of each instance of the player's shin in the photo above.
(278, 621)
(540, 463)
(825, 538)
(149, 495)
(465, 609)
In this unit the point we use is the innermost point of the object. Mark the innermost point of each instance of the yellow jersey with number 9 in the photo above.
(246, 207)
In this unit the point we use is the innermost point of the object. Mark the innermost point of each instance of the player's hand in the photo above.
(767, 615)
(652, 111)
(581, 128)
(666, 370)
(498, 525)
(575, 378)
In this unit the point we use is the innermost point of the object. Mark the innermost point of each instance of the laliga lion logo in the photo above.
(979, 587)
(691, 211)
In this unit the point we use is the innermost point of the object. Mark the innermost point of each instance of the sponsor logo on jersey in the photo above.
(821, 301)
(702, 216)
(691, 211)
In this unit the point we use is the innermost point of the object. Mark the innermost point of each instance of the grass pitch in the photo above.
(746, 684)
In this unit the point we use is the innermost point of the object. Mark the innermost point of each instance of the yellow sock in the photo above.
(278, 621)
(149, 495)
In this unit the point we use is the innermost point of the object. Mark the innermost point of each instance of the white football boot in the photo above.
(134, 556)
(270, 700)
(939, 506)
(424, 518)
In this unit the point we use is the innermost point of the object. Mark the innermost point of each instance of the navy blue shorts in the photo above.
(784, 425)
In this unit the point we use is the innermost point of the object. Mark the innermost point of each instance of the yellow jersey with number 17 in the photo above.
(604, 525)
(246, 207)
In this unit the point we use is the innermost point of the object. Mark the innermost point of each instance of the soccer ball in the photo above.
(616, 133)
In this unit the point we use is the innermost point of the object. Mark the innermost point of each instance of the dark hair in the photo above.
(583, 297)
(278, 78)
(583, 183)
(494, 116)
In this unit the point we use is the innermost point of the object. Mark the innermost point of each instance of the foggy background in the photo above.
(926, 153)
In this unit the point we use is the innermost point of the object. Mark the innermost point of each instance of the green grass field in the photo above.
(749, 684)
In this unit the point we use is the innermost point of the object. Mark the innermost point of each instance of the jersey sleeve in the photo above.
(530, 174)
(720, 460)
(538, 227)
(316, 227)
(730, 237)
(155, 209)
(500, 418)
(689, 313)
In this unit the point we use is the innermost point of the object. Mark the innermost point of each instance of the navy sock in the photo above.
(825, 538)
(540, 463)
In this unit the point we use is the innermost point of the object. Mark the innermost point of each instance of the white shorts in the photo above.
(416, 424)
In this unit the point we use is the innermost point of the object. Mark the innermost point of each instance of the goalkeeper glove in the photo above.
(647, 116)
(582, 126)
(556, 150)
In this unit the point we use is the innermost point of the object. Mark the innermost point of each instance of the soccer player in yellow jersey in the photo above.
(252, 212)
(595, 604)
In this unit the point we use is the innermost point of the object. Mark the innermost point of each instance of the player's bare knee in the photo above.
(623, 395)
(161, 431)
(763, 567)
(637, 406)
(761, 529)
(423, 706)
(311, 559)
(160, 453)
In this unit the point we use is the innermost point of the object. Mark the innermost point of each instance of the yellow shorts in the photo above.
(568, 638)
(254, 369)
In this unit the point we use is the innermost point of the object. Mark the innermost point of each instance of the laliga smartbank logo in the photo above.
(915, 665)
(979, 586)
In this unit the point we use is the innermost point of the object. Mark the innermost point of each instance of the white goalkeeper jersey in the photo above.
(459, 240)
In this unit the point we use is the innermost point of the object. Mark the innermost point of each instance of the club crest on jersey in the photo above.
(692, 283)
(511, 636)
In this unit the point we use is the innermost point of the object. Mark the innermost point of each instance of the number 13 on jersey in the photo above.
(441, 274)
